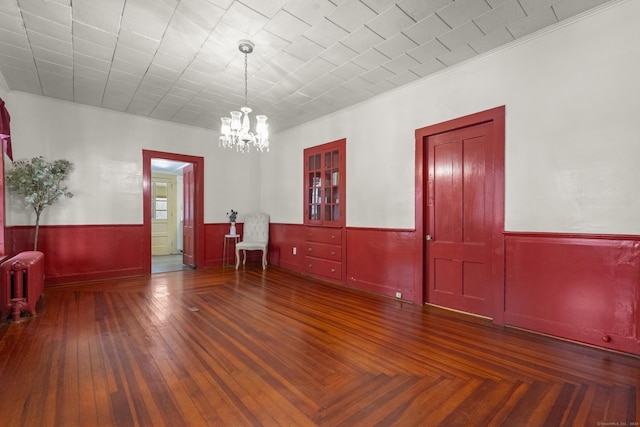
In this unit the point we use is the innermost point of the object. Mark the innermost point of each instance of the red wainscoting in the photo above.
(283, 238)
(83, 252)
(214, 243)
(385, 262)
(581, 287)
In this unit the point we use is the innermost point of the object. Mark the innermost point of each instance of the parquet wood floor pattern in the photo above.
(271, 348)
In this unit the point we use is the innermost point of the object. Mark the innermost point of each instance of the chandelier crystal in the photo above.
(235, 130)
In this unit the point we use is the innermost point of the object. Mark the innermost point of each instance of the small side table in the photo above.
(227, 259)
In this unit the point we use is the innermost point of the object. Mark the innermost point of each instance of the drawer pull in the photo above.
(310, 265)
(333, 270)
(333, 253)
(310, 249)
(333, 237)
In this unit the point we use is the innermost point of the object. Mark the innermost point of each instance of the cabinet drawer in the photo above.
(322, 267)
(324, 235)
(321, 250)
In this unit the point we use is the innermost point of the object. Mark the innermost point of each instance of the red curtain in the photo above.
(5, 131)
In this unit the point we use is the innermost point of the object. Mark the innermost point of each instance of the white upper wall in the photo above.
(106, 149)
(572, 141)
(572, 133)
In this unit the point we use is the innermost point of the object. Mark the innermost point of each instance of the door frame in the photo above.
(496, 116)
(198, 170)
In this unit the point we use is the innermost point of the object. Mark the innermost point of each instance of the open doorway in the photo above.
(167, 215)
(173, 211)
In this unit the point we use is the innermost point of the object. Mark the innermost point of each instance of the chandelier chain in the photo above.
(245, 79)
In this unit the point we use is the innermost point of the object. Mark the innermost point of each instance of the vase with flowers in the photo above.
(232, 217)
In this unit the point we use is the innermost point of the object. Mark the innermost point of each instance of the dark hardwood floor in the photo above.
(222, 347)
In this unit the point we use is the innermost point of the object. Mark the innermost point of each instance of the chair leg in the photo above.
(237, 258)
(244, 257)
(264, 259)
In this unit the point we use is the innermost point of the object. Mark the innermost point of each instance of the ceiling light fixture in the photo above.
(234, 130)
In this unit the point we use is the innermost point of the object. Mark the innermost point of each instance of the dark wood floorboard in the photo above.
(221, 347)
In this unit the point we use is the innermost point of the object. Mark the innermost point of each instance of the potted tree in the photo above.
(41, 183)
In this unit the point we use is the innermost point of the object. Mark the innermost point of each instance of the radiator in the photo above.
(21, 284)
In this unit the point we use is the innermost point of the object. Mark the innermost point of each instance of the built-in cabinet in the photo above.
(324, 210)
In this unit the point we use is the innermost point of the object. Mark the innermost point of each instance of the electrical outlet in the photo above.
(295, 251)
(398, 294)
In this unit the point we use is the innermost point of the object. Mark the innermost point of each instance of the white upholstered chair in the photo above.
(255, 238)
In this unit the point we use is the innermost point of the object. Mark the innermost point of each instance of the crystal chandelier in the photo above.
(234, 130)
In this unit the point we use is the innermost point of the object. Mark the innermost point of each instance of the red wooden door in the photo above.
(459, 209)
(188, 226)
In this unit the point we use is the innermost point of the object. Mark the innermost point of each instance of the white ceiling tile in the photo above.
(428, 51)
(427, 29)
(377, 75)
(491, 40)
(356, 84)
(52, 57)
(310, 11)
(16, 52)
(19, 40)
(286, 26)
(22, 79)
(458, 55)
(201, 12)
(401, 64)
(502, 16)
(381, 87)
(148, 17)
(17, 63)
(420, 9)
(267, 8)
(10, 8)
(89, 73)
(123, 80)
(325, 33)
(567, 8)
(461, 35)
(396, 45)
(362, 40)
(55, 68)
(100, 14)
(348, 70)
(12, 23)
(427, 67)
(87, 93)
(134, 40)
(351, 15)
(390, 22)
(304, 49)
(315, 67)
(338, 54)
(141, 107)
(131, 68)
(36, 24)
(50, 43)
(281, 66)
(182, 38)
(404, 78)
(379, 6)
(535, 21)
(463, 11)
(370, 59)
(532, 6)
(87, 48)
(48, 10)
(185, 52)
(94, 35)
(141, 58)
(244, 19)
(56, 85)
